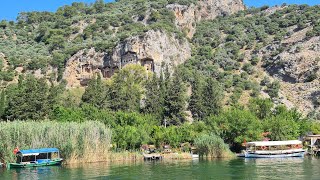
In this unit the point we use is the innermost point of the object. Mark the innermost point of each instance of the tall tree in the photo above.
(261, 107)
(29, 100)
(2, 103)
(127, 88)
(196, 99)
(154, 97)
(97, 93)
(213, 95)
(175, 101)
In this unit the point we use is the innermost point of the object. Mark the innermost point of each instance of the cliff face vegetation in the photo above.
(148, 68)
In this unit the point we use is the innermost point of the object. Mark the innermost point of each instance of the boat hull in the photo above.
(54, 162)
(256, 155)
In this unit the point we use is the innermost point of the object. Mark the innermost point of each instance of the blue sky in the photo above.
(9, 9)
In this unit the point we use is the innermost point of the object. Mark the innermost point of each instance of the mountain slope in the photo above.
(260, 52)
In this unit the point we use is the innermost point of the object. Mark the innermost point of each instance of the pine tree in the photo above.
(29, 100)
(175, 101)
(197, 100)
(96, 93)
(127, 89)
(2, 103)
(212, 97)
(153, 97)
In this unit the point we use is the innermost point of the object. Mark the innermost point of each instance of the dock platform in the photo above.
(153, 156)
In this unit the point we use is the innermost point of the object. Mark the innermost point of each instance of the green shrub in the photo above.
(212, 146)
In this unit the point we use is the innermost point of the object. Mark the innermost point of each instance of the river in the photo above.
(287, 168)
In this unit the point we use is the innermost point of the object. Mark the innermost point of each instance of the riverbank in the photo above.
(84, 142)
(78, 142)
(127, 156)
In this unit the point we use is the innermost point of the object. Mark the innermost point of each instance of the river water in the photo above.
(287, 168)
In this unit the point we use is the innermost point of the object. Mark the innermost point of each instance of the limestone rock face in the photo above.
(83, 66)
(151, 50)
(188, 16)
(299, 63)
(298, 70)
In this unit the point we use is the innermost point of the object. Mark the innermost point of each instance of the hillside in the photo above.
(261, 52)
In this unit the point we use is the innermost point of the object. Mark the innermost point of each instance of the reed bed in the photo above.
(125, 156)
(213, 146)
(78, 142)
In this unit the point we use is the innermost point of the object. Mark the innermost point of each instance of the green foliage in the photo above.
(138, 106)
(261, 107)
(175, 101)
(126, 89)
(196, 103)
(30, 99)
(273, 89)
(3, 103)
(213, 95)
(235, 126)
(212, 146)
(154, 96)
(96, 93)
(284, 125)
(84, 139)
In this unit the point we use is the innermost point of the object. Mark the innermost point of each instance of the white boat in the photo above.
(195, 156)
(274, 149)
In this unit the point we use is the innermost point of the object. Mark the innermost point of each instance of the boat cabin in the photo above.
(37, 156)
(273, 145)
(268, 149)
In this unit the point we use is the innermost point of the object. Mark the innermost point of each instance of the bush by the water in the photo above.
(85, 142)
(212, 146)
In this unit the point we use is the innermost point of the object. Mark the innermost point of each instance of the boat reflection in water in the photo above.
(35, 172)
(272, 161)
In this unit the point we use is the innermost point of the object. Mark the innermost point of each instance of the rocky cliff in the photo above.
(151, 50)
(188, 16)
(298, 69)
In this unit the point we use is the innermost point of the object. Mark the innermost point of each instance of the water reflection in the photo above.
(29, 173)
(279, 168)
(286, 168)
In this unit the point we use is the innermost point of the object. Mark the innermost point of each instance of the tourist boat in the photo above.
(36, 158)
(274, 149)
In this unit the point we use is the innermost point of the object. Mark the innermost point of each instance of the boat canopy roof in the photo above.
(273, 143)
(31, 152)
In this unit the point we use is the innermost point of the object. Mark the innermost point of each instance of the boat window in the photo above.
(44, 156)
(27, 158)
(263, 148)
(54, 155)
(252, 147)
(274, 147)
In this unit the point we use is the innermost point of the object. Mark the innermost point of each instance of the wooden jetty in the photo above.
(153, 156)
(313, 143)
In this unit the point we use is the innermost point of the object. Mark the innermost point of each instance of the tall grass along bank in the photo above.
(78, 142)
(212, 146)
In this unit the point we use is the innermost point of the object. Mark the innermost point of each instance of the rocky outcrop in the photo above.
(82, 66)
(297, 68)
(188, 16)
(298, 64)
(151, 50)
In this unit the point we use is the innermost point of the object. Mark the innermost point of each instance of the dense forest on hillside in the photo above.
(203, 96)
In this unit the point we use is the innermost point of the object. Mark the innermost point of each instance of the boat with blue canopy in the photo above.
(36, 158)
